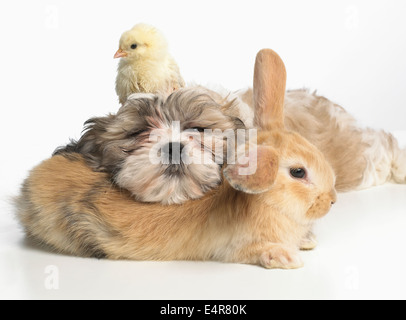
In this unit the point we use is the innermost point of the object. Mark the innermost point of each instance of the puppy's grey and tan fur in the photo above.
(120, 144)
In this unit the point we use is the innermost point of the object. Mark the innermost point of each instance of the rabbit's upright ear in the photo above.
(255, 172)
(269, 90)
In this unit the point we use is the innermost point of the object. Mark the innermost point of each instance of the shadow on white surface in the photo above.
(360, 256)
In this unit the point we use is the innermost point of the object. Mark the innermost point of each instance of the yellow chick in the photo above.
(145, 65)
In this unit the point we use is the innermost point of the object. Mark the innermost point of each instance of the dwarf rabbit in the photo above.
(261, 217)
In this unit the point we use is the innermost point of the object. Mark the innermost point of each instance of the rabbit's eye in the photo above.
(299, 173)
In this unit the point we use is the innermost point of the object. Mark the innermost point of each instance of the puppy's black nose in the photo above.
(175, 147)
(173, 150)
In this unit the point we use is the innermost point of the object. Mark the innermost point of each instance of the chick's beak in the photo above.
(120, 53)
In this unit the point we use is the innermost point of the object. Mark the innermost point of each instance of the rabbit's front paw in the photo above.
(281, 256)
(309, 242)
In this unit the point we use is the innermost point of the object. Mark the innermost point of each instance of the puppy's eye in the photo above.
(134, 134)
(134, 46)
(127, 151)
(298, 173)
(199, 129)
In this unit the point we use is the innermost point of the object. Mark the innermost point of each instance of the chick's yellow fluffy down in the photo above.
(145, 65)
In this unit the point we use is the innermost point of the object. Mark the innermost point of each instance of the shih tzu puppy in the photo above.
(161, 150)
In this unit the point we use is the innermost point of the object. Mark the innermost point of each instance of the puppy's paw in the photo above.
(282, 257)
(399, 167)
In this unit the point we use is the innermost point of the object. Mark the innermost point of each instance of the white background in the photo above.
(57, 70)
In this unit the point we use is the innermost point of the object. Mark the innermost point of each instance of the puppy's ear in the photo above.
(255, 172)
(92, 142)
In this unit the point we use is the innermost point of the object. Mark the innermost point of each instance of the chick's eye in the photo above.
(299, 173)
(134, 46)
